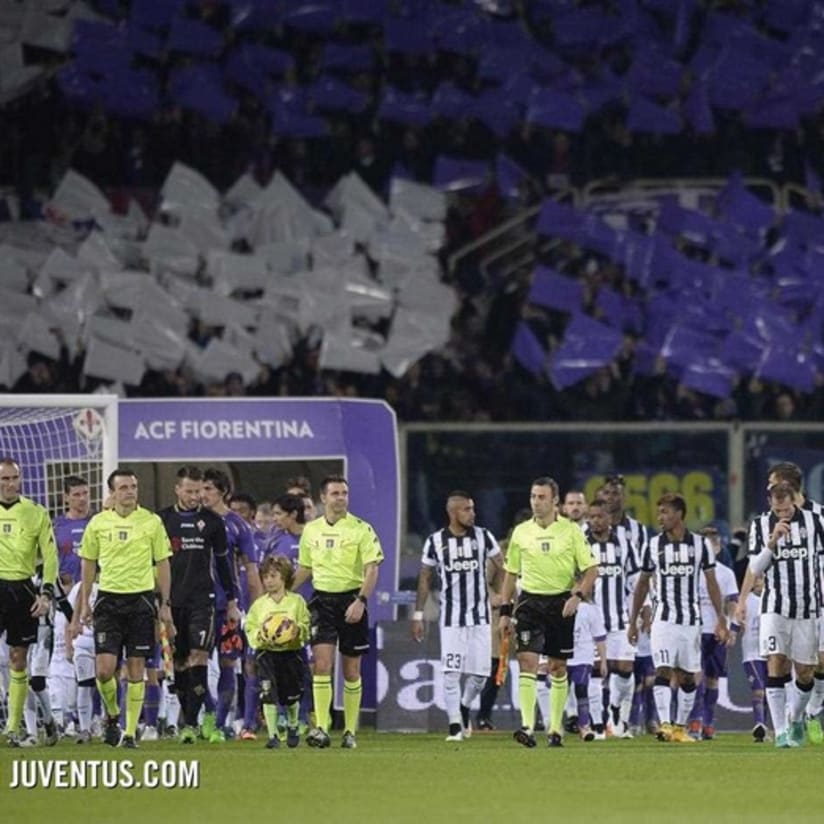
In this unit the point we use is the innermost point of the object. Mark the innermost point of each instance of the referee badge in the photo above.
(544, 546)
(122, 535)
(6, 529)
(330, 543)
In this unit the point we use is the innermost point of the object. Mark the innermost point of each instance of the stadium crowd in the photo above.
(385, 96)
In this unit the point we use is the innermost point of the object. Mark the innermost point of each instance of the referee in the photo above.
(26, 537)
(128, 544)
(341, 554)
(547, 553)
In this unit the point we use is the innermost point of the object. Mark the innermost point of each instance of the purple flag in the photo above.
(317, 18)
(556, 110)
(684, 343)
(527, 349)
(346, 57)
(742, 208)
(200, 88)
(696, 109)
(398, 107)
(789, 367)
(509, 175)
(555, 291)
(741, 351)
(587, 346)
(194, 37)
(655, 74)
(710, 377)
(154, 14)
(406, 37)
(457, 173)
(645, 116)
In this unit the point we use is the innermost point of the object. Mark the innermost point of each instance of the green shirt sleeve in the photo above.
(304, 549)
(513, 555)
(370, 546)
(48, 549)
(89, 546)
(302, 615)
(253, 623)
(161, 546)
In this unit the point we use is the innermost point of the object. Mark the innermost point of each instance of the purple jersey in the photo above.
(283, 542)
(68, 532)
(240, 541)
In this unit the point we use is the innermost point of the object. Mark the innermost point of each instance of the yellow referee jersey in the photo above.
(337, 554)
(547, 558)
(26, 538)
(126, 549)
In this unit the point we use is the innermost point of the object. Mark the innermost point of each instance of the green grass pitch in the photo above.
(423, 779)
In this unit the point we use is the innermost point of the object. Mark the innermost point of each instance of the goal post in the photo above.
(54, 436)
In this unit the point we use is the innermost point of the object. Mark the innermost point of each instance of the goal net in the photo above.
(54, 436)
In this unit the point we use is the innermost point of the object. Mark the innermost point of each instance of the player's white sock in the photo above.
(172, 710)
(472, 688)
(817, 698)
(621, 690)
(542, 696)
(596, 700)
(663, 702)
(800, 701)
(84, 707)
(452, 696)
(777, 702)
(30, 715)
(572, 703)
(686, 701)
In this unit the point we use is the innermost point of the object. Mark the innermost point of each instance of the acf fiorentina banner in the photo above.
(362, 433)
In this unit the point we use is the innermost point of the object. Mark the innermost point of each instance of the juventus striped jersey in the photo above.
(618, 565)
(791, 585)
(677, 567)
(460, 561)
(638, 533)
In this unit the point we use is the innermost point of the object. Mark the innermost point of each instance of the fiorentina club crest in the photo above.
(201, 525)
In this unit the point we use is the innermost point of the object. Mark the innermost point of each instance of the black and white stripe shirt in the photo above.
(618, 565)
(460, 561)
(638, 533)
(677, 567)
(791, 581)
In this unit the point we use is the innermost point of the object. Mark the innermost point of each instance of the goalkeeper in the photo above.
(277, 627)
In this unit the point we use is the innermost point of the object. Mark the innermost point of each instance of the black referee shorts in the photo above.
(195, 626)
(281, 676)
(125, 621)
(328, 626)
(541, 626)
(16, 601)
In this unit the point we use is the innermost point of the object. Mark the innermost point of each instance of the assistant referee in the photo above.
(557, 570)
(26, 538)
(341, 554)
(130, 546)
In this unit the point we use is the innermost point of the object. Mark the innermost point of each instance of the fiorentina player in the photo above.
(243, 553)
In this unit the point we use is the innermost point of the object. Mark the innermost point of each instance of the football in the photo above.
(278, 629)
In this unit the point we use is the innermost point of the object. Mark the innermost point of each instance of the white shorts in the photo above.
(619, 647)
(467, 650)
(644, 646)
(796, 638)
(63, 691)
(84, 663)
(676, 646)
